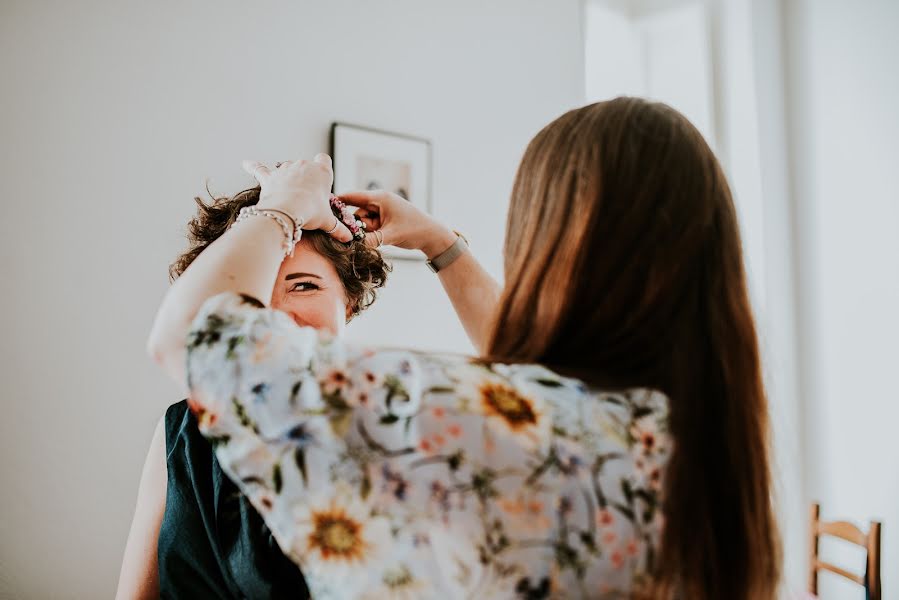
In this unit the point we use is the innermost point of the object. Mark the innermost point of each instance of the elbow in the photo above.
(156, 355)
(167, 343)
(154, 349)
(163, 352)
(170, 358)
(166, 340)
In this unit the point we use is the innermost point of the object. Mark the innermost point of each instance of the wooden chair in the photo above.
(846, 531)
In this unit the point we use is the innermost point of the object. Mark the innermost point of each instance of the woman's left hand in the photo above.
(301, 188)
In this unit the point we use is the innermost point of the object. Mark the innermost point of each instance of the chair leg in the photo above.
(814, 515)
(874, 591)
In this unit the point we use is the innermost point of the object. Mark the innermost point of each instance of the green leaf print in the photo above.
(627, 512)
(300, 458)
(277, 481)
(242, 415)
(550, 383)
(209, 334)
(440, 389)
(628, 491)
(233, 343)
(395, 390)
(340, 423)
(219, 440)
(365, 486)
(388, 419)
(336, 402)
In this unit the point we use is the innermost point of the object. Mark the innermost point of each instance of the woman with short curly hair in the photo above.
(336, 278)
(193, 519)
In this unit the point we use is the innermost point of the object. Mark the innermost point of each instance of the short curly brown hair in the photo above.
(361, 269)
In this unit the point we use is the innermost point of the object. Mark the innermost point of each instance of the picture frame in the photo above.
(368, 158)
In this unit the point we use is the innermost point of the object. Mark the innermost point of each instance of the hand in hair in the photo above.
(301, 188)
(399, 223)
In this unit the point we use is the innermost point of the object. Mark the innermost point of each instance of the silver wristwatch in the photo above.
(448, 256)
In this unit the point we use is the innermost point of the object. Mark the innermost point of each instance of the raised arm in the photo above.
(474, 294)
(246, 259)
(393, 220)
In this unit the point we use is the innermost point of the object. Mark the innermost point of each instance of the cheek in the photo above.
(324, 311)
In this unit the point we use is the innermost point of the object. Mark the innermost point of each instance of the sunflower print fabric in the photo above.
(398, 474)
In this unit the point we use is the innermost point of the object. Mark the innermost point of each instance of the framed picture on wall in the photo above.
(371, 159)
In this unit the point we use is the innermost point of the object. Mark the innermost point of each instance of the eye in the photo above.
(304, 286)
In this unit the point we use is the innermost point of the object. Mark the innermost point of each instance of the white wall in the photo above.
(613, 53)
(114, 113)
(843, 86)
(658, 51)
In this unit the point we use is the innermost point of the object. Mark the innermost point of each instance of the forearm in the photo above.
(245, 260)
(474, 294)
(472, 291)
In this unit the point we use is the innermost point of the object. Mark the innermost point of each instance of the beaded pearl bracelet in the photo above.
(292, 231)
(297, 223)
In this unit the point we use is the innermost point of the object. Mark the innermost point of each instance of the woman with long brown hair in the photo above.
(612, 439)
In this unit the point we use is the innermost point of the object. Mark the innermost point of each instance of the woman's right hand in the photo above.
(302, 189)
(399, 222)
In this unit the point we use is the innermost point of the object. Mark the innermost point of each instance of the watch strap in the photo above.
(448, 256)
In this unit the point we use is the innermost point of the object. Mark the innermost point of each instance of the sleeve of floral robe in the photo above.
(397, 474)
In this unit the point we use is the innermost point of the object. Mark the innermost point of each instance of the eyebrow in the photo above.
(298, 275)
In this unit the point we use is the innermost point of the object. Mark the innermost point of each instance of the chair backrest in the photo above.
(844, 530)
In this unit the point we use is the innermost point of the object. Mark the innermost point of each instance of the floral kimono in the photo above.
(400, 474)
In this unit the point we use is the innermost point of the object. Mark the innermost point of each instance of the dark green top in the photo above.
(212, 542)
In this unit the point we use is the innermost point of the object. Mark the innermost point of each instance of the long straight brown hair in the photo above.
(624, 266)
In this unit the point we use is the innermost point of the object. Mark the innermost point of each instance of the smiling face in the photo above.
(323, 285)
(309, 289)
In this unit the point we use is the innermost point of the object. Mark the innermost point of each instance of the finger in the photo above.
(371, 219)
(341, 232)
(258, 170)
(363, 199)
(371, 240)
(365, 213)
(374, 239)
(322, 159)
